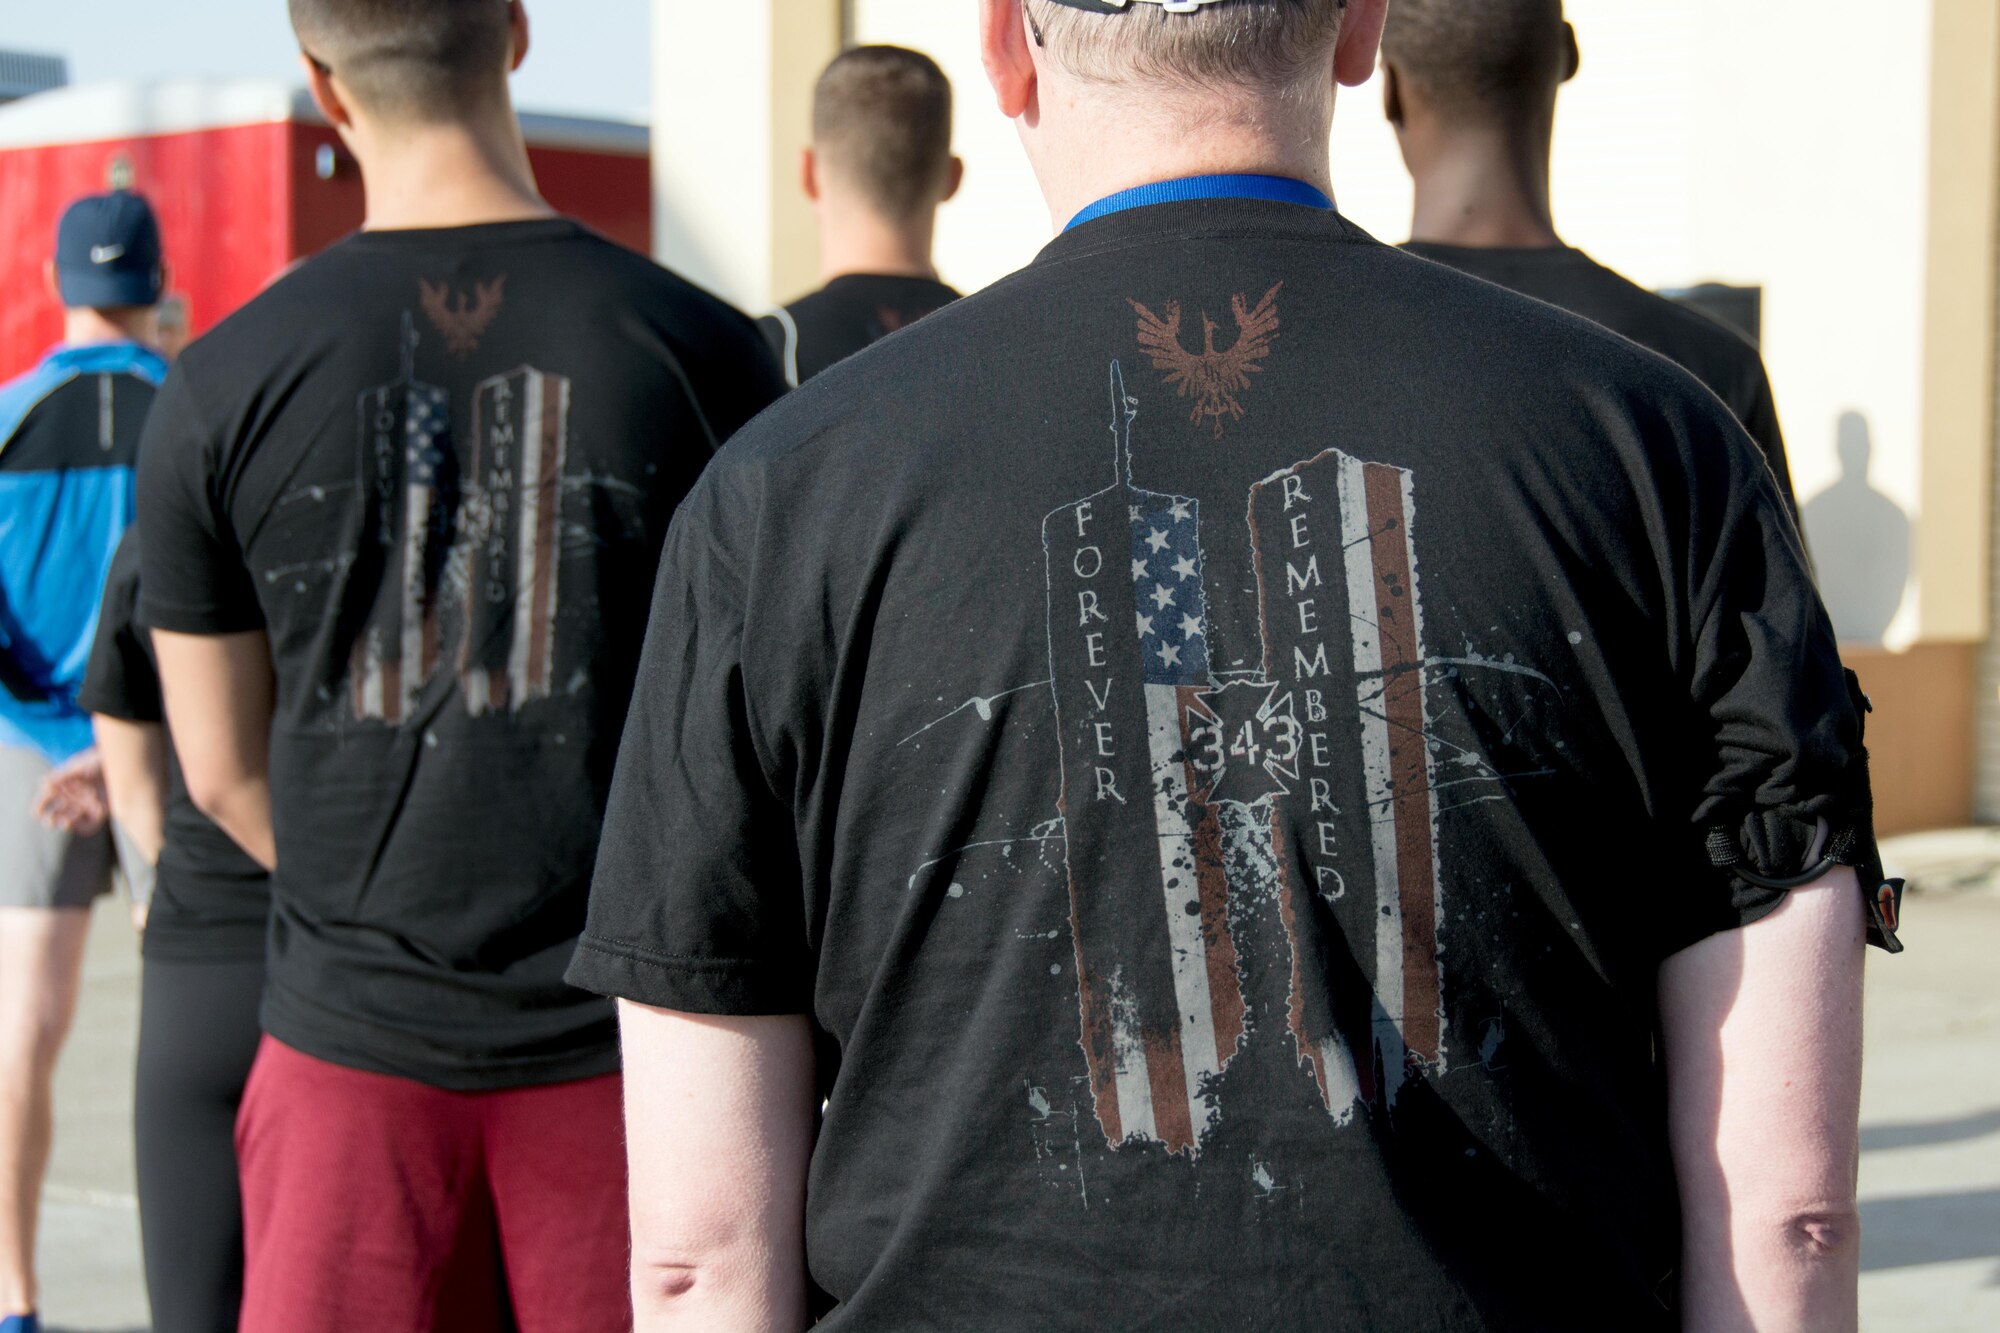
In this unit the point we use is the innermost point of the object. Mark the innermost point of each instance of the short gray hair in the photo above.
(1283, 46)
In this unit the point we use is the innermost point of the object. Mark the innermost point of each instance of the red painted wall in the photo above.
(236, 207)
(222, 201)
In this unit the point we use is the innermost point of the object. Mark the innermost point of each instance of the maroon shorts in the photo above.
(373, 1202)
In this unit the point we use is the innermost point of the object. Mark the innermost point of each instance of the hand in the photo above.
(72, 798)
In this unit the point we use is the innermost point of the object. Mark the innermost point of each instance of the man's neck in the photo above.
(857, 240)
(1484, 190)
(83, 327)
(459, 174)
(1110, 146)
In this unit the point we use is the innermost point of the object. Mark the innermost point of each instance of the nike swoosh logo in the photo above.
(104, 254)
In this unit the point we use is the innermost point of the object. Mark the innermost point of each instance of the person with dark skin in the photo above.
(1471, 88)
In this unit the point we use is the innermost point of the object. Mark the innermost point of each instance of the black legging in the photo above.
(197, 1036)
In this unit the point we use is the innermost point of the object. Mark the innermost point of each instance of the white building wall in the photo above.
(1711, 140)
(998, 222)
(1781, 143)
(713, 197)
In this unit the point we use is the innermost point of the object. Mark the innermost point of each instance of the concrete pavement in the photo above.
(1930, 1173)
(90, 1220)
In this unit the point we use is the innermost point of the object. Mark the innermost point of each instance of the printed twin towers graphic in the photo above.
(502, 525)
(1308, 780)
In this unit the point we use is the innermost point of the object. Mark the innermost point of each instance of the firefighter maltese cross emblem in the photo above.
(1244, 740)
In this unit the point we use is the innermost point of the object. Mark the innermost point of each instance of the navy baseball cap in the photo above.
(108, 252)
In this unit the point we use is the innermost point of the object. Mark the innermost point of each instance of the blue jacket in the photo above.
(69, 435)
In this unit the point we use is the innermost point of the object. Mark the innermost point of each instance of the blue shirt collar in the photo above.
(1275, 189)
(107, 358)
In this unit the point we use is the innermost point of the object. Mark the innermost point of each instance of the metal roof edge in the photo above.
(96, 112)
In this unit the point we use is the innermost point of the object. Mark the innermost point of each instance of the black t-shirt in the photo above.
(435, 468)
(1220, 731)
(210, 900)
(1711, 352)
(851, 312)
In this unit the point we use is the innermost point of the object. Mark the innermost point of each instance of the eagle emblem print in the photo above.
(461, 319)
(1200, 793)
(1215, 378)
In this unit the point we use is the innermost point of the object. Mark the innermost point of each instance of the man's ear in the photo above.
(1392, 95)
(1572, 53)
(319, 82)
(1360, 41)
(809, 173)
(49, 280)
(1005, 50)
(517, 24)
(954, 177)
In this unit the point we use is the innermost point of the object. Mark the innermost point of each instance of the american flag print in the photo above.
(520, 443)
(405, 429)
(1338, 592)
(1161, 1003)
(1305, 778)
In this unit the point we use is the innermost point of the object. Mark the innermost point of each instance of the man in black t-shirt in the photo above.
(1471, 87)
(1226, 759)
(202, 984)
(400, 517)
(879, 166)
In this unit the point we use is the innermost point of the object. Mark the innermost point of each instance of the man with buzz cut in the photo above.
(1262, 782)
(69, 433)
(1470, 87)
(400, 517)
(879, 165)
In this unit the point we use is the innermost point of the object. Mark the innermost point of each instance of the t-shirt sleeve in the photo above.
(741, 377)
(775, 337)
(697, 904)
(1775, 720)
(1759, 415)
(120, 681)
(194, 580)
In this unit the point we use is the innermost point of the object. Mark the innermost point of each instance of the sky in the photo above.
(589, 57)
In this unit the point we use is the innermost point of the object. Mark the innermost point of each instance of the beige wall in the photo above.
(1954, 541)
(997, 223)
(1785, 143)
(732, 88)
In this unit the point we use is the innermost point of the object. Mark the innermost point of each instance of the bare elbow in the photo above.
(672, 1292)
(208, 794)
(664, 1284)
(1822, 1234)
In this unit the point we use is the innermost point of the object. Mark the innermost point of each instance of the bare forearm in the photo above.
(720, 1124)
(220, 698)
(242, 809)
(135, 780)
(1763, 1045)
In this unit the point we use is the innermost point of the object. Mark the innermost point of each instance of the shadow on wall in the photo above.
(1929, 1229)
(1860, 542)
(1925, 1134)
